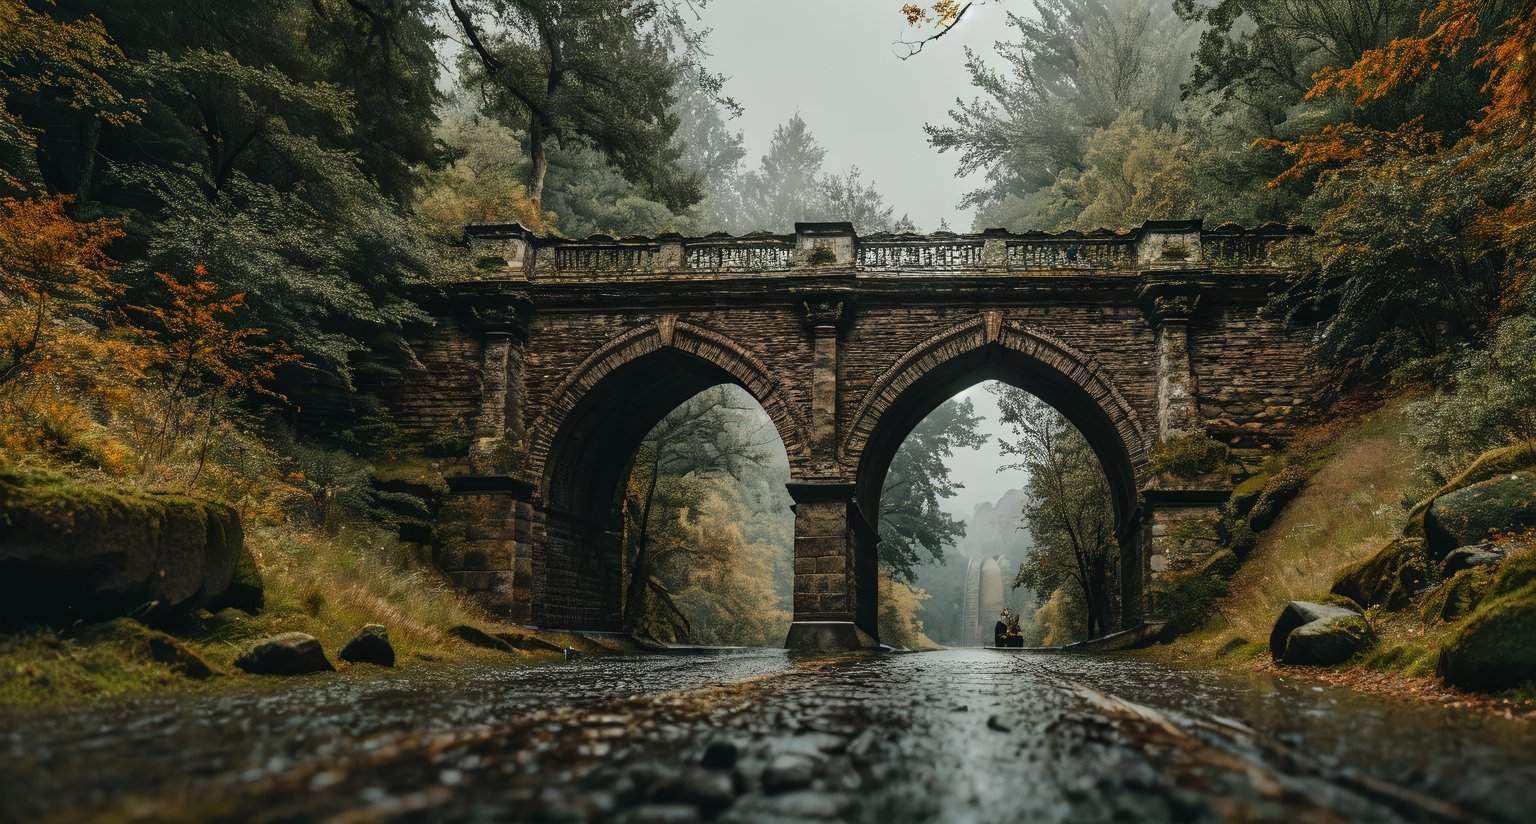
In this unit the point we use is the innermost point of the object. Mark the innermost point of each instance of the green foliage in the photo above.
(1070, 513)
(604, 83)
(1186, 600)
(914, 529)
(707, 526)
(1489, 402)
(1189, 456)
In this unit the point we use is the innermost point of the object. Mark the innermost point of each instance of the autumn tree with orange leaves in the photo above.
(1426, 229)
(206, 362)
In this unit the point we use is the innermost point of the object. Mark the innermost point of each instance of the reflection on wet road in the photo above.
(960, 735)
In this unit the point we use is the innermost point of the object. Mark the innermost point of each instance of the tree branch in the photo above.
(914, 47)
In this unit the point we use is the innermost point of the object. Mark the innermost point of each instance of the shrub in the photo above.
(1490, 401)
(822, 255)
(1189, 456)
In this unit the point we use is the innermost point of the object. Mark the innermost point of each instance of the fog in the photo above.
(834, 63)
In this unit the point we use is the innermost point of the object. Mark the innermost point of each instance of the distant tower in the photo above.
(989, 596)
(970, 626)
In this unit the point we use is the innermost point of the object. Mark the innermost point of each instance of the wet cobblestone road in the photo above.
(960, 735)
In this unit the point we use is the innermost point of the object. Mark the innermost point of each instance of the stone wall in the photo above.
(829, 342)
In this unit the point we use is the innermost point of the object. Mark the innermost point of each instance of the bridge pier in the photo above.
(836, 603)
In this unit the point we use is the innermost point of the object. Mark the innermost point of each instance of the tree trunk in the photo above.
(90, 136)
(540, 161)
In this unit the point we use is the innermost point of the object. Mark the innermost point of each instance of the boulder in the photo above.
(1490, 464)
(1390, 578)
(1468, 515)
(370, 646)
(1496, 648)
(71, 551)
(478, 638)
(1327, 641)
(291, 653)
(143, 642)
(1467, 557)
(1298, 614)
(245, 591)
(1456, 596)
(528, 643)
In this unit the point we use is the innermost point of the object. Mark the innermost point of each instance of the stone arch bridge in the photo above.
(560, 355)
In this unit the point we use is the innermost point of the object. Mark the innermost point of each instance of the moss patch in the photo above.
(1390, 578)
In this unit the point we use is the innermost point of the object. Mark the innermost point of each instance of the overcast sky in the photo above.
(833, 61)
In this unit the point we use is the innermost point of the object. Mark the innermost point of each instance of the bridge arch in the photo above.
(989, 348)
(986, 348)
(582, 446)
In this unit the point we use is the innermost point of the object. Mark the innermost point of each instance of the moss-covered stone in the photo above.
(147, 644)
(1328, 641)
(1472, 513)
(1297, 614)
(1245, 494)
(1496, 648)
(75, 551)
(1390, 578)
(1455, 597)
(1279, 491)
(1503, 461)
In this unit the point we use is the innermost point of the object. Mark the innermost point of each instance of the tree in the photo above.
(1422, 198)
(481, 183)
(785, 186)
(591, 72)
(913, 529)
(1070, 512)
(70, 60)
(715, 437)
(55, 275)
(847, 197)
(203, 364)
(1072, 71)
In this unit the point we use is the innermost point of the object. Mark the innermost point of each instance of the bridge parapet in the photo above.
(501, 251)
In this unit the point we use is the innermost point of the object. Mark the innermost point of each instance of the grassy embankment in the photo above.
(327, 583)
(1350, 507)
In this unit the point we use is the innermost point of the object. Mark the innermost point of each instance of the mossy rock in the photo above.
(1455, 597)
(147, 644)
(74, 551)
(1473, 513)
(1502, 461)
(1279, 491)
(1496, 647)
(245, 592)
(1328, 641)
(1390, 578)
(1245, 494)
(1297, 614)
(1515, 573)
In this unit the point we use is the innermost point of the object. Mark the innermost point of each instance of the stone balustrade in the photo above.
(500, 251)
